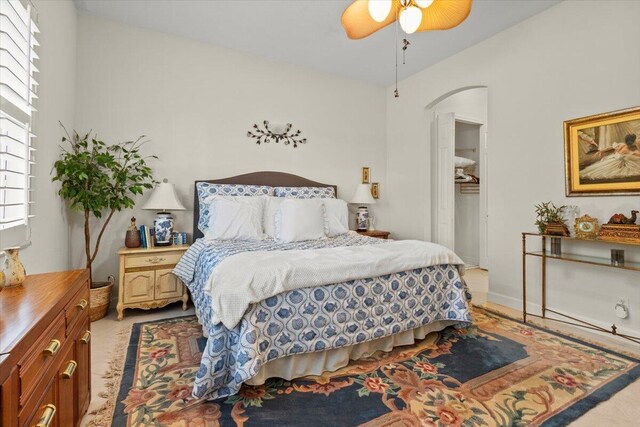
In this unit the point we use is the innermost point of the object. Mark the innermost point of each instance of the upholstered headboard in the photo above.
(273, 179)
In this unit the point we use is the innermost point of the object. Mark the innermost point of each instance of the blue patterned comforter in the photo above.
(312, 319)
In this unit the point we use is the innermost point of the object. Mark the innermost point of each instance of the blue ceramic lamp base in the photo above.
(362, 218)
(163, 227)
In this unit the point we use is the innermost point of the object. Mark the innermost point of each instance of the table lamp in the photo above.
(163, 198)
(362, 197)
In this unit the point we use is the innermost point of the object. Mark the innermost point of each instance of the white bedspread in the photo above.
(249, 277)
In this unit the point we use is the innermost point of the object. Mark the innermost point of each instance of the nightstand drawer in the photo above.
(139, 286)
(151, 260)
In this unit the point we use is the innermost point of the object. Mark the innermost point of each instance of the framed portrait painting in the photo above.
(602, 154)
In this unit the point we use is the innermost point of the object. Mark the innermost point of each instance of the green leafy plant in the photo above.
(548, 213)
(96, 179)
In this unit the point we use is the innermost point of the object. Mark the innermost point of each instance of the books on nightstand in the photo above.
(147, 236)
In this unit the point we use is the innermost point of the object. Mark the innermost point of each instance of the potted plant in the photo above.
(549, 219)
(96, 179)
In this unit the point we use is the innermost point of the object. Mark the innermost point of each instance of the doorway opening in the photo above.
(466, 224)
(459, 190)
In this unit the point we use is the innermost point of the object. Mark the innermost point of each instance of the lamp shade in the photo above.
(363, 195)
(164, 198)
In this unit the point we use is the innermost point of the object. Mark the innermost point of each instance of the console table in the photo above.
(574, 258)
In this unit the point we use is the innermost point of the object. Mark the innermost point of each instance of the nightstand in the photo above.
(146, 280)
(375, 233)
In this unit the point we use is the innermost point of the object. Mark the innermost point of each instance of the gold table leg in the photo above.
(524, 278)
(544, 277)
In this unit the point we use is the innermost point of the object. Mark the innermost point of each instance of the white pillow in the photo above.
(271, 206)
(337, 216)
(463, 162)
(235, 218)
(300, 219)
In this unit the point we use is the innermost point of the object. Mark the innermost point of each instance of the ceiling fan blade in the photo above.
(359, 24)
(444, 14)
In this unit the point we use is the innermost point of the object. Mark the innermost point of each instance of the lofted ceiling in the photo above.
(308, 33)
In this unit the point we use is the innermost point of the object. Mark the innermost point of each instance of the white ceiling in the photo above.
(308, 33)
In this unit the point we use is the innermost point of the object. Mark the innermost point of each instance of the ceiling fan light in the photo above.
(423, 3)
(410, 19)
(379, 9)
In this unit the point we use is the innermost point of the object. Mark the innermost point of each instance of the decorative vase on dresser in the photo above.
(146, 278)
(14, 273)
(45, 351)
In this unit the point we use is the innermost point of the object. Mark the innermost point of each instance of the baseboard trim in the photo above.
(511, 302)
(516, 304)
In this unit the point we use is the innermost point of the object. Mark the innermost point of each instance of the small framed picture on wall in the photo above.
(365, 175)
(375, 190)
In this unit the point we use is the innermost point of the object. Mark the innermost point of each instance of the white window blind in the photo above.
(18, 89)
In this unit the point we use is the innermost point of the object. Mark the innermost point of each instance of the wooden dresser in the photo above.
(45, 351)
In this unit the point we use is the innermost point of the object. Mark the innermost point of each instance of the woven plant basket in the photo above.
(100, 299)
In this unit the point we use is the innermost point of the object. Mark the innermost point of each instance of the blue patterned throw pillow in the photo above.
(206, 189)
(306, 192)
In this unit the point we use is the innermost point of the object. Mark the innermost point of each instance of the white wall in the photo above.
(49, 250)
(196, 103)
(572, 60)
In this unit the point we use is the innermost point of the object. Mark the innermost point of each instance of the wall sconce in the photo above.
(275, 133)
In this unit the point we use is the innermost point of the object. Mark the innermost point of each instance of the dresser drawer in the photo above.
(40, 357)
(76, 308)
(83, 358)
(152, 260)
(43, 411)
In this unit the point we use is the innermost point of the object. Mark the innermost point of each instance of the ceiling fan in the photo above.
(364, 17)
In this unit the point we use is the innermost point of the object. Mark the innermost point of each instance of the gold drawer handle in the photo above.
(71, 368)
(82, 304)
(47, 416)
(52, 348)
(155, 260)
(86, 337)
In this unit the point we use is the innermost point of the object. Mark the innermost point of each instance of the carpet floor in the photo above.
(498, 372)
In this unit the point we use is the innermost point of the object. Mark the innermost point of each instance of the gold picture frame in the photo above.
(366, 176)
(602, 154)
(375, 190)
(586, 227)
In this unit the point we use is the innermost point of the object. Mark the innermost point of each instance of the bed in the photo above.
(307, 330)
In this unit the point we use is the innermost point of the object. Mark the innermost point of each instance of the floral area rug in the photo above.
(498, 372)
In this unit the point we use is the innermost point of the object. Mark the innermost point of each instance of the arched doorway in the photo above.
(459, 137)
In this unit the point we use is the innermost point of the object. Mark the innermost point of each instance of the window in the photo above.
(17, 96)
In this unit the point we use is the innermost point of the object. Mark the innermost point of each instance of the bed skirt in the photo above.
(302, 365)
